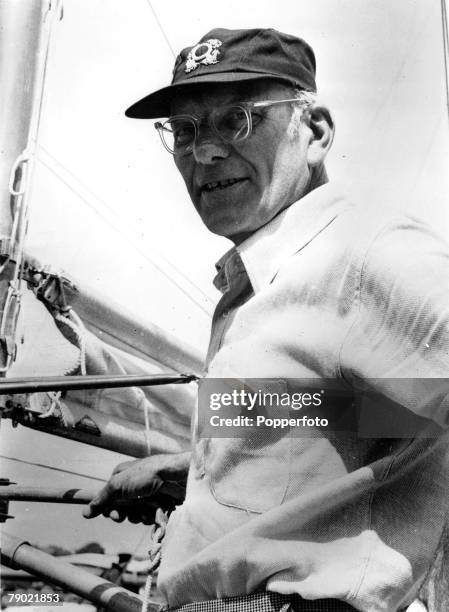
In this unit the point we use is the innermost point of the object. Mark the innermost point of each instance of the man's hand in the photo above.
(137, 488)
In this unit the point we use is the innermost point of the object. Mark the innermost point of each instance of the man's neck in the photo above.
(318, 178)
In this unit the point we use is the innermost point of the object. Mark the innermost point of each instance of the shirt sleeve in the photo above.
(399, 339)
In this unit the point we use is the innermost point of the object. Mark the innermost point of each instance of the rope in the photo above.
(445, 49)
(19, 182)
(146, 412)
(54, 397)
(157, 532)
(147, 592)
(161, 28)
(27, 157)
(50, 467)
(77, 326)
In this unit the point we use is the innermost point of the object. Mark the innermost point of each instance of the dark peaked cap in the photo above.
(229, 56)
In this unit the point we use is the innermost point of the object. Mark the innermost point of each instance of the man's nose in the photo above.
(209, 148)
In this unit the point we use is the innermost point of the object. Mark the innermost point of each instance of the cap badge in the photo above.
(203, 53)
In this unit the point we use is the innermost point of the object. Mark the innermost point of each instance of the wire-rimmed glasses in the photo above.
(232, 123)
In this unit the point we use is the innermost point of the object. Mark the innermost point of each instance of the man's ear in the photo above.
(321, 124)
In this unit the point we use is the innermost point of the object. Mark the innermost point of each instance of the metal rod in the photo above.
(110, 432)
(102, 430)
(143, 339)
(47, 494)
(72, 496)
(70, 383)
(17, 553)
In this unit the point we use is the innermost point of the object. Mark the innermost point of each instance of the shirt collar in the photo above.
(291, 230)
(228, 267)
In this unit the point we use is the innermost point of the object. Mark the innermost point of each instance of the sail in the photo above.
(109, 208)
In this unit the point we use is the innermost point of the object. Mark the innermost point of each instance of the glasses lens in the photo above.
(231, 123)
(178, 135)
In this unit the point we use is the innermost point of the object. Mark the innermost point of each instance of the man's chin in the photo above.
(221, 226)
(224, 213)
(228, 227)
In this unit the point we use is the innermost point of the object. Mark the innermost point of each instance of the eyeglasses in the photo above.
(232, 124)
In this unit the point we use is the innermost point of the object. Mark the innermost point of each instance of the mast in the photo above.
(24, 43)
(445, 29)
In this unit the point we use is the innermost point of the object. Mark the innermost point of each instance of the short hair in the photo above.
(306, 99)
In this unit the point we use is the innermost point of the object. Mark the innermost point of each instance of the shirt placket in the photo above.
(238, 290)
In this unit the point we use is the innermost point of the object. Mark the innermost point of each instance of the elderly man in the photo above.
(314, 288)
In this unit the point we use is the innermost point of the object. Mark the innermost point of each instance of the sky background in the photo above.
(109, 208)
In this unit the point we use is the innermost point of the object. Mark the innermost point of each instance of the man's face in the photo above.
(238, 188)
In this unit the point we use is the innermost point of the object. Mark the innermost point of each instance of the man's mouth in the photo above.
(216, 185)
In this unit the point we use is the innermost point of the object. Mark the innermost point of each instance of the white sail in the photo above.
(101, 179)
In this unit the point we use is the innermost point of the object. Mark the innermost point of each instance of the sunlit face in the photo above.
(238, 188)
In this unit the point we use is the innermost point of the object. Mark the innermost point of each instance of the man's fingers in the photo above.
(139, 514)
(130, 490)
(123, 466)
(148, 517)
(118, 516)
(134, 517)
(90, 512)
(100, 503)
(95, 509)
(142, 512)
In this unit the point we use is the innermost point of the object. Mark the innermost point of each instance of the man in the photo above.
(314, 288)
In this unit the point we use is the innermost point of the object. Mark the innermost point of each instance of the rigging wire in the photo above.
(21, 174)
(161, 28)
(426, 156)
(52, 13)
(208, 300)
(109, 208)
(414, 37)
(445, 49)
(131, 242)
(103, 203)
(49, 467)
(139, 544)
